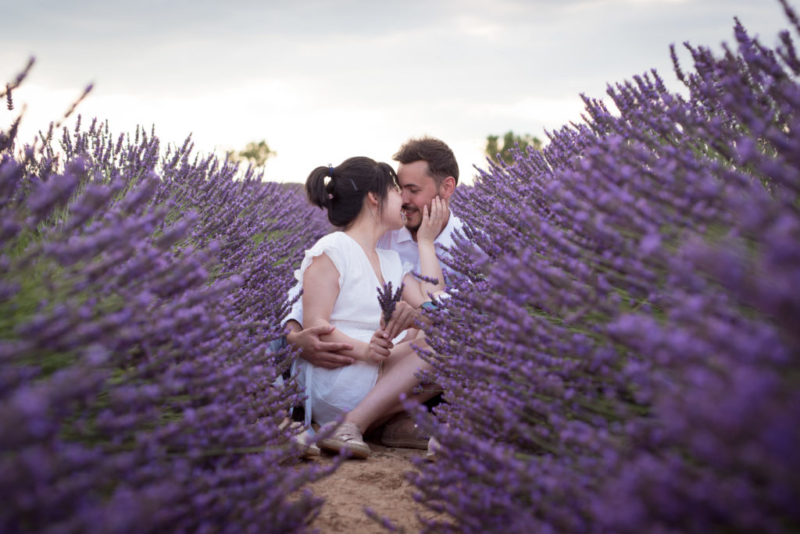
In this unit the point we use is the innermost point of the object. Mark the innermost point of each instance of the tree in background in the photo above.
(255, 153)
(509, 141)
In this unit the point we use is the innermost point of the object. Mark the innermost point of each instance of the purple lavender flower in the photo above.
(388, 300)
(618, 354)
(140, 291)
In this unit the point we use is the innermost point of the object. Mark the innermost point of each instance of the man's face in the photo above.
(418, 190)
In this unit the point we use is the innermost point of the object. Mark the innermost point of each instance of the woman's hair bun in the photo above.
(318, 192)
(347, 186)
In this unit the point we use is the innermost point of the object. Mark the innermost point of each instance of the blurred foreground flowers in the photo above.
(622, 353)
(140, 288)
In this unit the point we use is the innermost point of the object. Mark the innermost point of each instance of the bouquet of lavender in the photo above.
(388, 300)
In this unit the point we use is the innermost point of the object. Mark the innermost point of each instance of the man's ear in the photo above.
(447, 188)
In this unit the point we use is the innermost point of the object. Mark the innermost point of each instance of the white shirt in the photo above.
(401, 242)
(334, 392)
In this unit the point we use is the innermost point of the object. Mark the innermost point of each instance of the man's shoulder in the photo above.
(458, 224)
(447, 236)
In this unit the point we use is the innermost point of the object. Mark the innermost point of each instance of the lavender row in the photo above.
(140, 290)
(621, 353)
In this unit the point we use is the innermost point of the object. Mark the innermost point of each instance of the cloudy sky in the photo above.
(324, 80)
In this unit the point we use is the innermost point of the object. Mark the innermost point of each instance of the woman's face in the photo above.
(393, 210)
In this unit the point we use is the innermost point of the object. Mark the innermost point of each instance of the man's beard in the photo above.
(412, 229)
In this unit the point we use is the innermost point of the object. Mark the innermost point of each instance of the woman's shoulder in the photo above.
(336, 239)
(333, 245)
(339, 246)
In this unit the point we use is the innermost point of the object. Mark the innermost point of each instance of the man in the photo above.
(427, 169)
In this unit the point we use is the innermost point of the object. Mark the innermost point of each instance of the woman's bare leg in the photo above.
(399, 377)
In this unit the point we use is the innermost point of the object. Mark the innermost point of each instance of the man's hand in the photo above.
(317, 352)
(380, 346)
(404, 316)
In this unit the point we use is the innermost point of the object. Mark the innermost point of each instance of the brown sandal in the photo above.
(401, 432)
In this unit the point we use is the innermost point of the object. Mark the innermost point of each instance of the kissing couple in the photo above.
(353, 364)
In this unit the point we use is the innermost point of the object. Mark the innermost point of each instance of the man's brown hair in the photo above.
(441, 160)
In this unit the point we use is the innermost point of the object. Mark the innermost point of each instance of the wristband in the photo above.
(429, 305)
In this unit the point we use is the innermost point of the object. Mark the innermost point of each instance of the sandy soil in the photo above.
(378, 482)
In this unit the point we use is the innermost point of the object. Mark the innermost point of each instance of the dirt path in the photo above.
(378, 482)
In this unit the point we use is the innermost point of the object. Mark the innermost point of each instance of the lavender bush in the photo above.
(621, 352)
(140, 289)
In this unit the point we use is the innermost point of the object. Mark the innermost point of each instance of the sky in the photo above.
(322, 81)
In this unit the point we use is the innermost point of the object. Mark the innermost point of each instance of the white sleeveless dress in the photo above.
(356, 313)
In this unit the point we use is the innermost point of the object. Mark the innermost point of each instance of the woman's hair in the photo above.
(347, 185)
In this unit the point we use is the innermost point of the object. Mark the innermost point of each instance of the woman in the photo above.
(340, 275)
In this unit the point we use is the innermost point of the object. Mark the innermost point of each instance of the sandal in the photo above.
(346, 437)
(433, 448)
(309, 450)
(401, 432)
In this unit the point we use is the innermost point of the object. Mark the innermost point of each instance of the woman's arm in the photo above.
(412, 293)
(429, 264)
(320, 290)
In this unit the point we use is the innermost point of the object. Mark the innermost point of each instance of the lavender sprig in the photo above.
(388, 300)
(418, 276)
